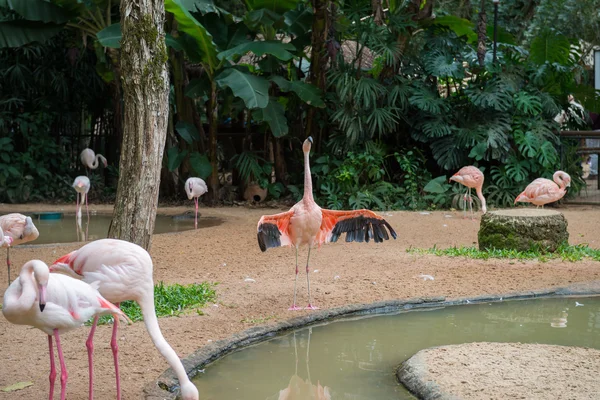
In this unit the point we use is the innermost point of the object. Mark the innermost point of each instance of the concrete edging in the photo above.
(167, 385)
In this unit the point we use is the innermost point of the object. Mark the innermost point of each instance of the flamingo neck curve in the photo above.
(481, 198)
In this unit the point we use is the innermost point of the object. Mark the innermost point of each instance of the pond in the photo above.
(357, 358)
(66, 230)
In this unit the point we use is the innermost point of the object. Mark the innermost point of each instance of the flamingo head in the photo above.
(189, 186)
(189, 391)
(456, 178)
(561, 176)
(307, 144)
(41, 275)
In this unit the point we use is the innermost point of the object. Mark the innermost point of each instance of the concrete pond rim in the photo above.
(167, 384)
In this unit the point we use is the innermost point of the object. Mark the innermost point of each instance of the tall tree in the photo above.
(481, 34)
(145, 93)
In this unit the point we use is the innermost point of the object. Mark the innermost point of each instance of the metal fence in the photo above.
(589, 151)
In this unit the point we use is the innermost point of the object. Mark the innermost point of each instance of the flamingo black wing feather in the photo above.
(361, 228)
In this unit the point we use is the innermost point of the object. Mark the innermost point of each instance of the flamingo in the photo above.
(472, 178)
(20, 229)
(307, 223)
(5, 241)
(123, 271)
(543, 191)
(82, 185)
(54, 304)
(195, 187)
(90, 159)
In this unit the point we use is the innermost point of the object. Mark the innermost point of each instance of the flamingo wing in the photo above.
(358, 225)
(273, 230)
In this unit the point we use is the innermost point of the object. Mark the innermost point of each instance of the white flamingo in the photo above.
(195, 187)
(82, 185)
(20, 229)
(54, 304)
(123, 271)
(90, 160)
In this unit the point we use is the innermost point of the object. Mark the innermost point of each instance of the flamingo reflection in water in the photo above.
(300, 389)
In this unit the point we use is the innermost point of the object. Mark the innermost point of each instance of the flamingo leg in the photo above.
(63, 367)
(470, 199)
(8, 262)
(77, 215)
(196, 218)
(294, 307)
(90, 348)
(115, 349)
(52, 376)
(310, 306)
(464, 206)
(86, 208)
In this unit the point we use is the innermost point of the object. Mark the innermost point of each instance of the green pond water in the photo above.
(356, 359)
(66, 230)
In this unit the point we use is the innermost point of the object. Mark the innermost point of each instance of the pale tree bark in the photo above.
(145, 94)
(481, 34)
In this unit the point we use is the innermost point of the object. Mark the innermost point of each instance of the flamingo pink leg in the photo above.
(310, 306)
(86, 208)
(115, 349)
(52, 376)
(294, 307)
(90, 348)
(63, 368)
(77, 206)
(8, 262)
(196, 219)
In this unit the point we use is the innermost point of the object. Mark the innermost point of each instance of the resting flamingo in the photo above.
(82, 185)
(20, 229)
(90, 160)
(543, 191)
(307, 223)
(195, 187)
(123, 271)
(54, 304)
(472, 178)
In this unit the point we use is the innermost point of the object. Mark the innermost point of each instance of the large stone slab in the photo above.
(503, 371)
(522, 229)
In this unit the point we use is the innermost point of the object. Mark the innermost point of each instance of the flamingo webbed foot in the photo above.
(311, 307)
(294, 308)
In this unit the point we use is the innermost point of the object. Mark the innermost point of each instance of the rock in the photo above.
(522, 229)
(502, 371)
(255, 193)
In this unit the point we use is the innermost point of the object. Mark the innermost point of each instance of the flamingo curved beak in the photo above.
(310, 139)
(42, 291)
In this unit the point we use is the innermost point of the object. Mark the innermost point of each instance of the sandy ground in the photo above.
(482, 371)
(228, 253)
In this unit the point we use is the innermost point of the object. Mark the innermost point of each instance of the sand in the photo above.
(228, 253)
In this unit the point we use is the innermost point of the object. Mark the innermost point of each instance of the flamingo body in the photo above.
(123, 271)
(90, 159)
(20, 229)
(5, 241)
(194, 188)
(472, 178)
(308, 224)
(54, 304)
(543, 191)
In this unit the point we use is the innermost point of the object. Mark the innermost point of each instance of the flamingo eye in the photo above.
(21, 237)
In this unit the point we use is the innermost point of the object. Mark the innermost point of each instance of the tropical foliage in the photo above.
(406, 102)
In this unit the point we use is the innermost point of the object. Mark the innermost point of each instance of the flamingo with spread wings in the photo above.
(308, 224)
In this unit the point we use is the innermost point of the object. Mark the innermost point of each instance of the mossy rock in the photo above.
(522, 229)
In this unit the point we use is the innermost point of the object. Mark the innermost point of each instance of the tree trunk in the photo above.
(145, 84)
(318, 61)
(213, 121)
(481, 34)
(377, 8)
(280, 166)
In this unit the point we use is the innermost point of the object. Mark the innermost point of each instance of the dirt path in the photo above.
(228, 253)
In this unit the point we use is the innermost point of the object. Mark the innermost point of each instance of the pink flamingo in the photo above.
(543, 191)
(5, 241)
(20, 229)
(123, 271)
(90, 160)
(472, 178)
(195, 187)
(82, 185)
(54, 304)
(307, 223)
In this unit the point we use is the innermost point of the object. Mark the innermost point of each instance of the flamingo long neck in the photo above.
(95, 162)
(308, 192)
(24, 300)
(559, 181)
(149, 313)
(482, 199)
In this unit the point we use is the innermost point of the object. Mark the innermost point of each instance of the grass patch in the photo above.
(171, 300)
(565, 252)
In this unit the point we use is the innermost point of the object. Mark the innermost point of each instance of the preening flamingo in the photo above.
(123, 271)
(472, 178)
(195, 187)
(54, 304)
(20, 229)
(543, 191)
(307, 223)
(90, 160)
(5, 241)
(82, 185)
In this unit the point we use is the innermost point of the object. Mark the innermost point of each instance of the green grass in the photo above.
(565, 252)
(171, 300)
